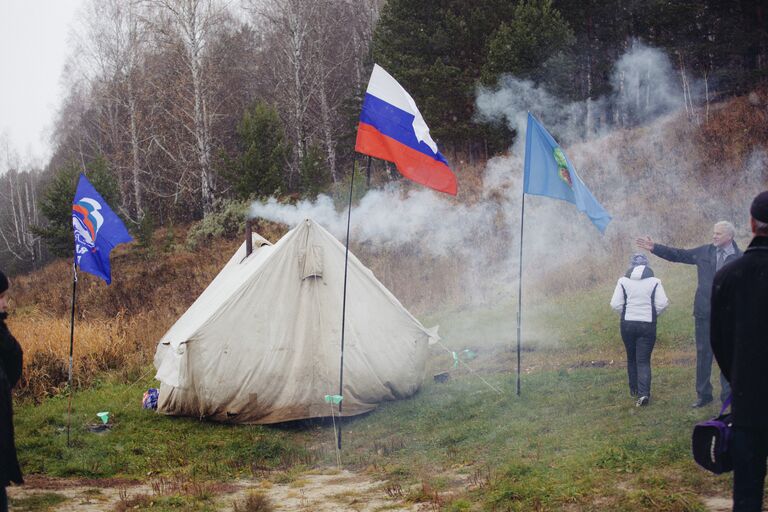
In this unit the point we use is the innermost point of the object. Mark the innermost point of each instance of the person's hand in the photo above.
(645, 242)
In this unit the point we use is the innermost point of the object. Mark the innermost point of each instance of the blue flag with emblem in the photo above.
(549, 173)
(97, 230)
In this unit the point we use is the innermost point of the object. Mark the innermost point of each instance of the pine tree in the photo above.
(259, 169)
(56, 203)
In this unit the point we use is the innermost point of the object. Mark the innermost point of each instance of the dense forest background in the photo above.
(181, 111)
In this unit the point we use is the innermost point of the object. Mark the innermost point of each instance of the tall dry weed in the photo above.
(99, 346)
(117, 327)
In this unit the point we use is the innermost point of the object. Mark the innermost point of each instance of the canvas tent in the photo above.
(262, 343)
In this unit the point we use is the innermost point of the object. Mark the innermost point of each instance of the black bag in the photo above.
(710, 442)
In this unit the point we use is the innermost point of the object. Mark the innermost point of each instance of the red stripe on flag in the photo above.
(412, 164)
(80, 209)
(86, 221)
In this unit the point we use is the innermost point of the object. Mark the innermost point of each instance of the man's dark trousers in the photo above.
(704, 364)
(749, 447)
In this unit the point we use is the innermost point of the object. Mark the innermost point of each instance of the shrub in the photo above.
(254, 502)
(227, 222)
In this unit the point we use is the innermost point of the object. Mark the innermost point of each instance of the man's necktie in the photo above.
(720, 259)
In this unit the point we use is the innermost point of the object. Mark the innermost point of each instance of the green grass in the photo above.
(142, 442)
(572, 440)
(572, 437)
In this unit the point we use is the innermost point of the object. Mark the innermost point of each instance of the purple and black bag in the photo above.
(710, 442)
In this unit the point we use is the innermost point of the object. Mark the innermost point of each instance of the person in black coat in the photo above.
(708, 259)
(740, 344)
(10, 372)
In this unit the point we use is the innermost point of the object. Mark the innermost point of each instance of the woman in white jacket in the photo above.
(639, 298)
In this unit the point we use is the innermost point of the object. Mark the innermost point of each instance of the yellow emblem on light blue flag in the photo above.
(548, 172)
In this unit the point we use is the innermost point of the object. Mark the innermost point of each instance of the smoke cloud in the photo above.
(644, 178)
(392, 217)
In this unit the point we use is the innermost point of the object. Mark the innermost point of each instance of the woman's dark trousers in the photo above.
(639, 339)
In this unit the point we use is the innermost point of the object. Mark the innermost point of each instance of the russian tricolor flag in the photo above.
(391, 128)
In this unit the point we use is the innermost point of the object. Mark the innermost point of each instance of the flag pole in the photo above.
(71, 347)
(520, 290)
(344, 300)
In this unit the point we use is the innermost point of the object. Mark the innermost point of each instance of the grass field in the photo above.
(572, 440)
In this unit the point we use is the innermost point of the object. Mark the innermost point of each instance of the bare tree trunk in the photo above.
(686, 88)
(687, 97)
(298, 28)
(193, 46)
(195, 21)
(588, 126)
(135, 159)
(706, 98)
(618, 113)
(17, 215)
(330, 142)
(16, 223)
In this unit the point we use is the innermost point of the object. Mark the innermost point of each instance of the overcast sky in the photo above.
(33, 48)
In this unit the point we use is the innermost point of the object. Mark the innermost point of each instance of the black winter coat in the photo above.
(705, 259)
(739, 332)
(11, 358)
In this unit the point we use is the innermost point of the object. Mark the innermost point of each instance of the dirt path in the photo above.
(330, 491)
(718, 504)
(327, 492)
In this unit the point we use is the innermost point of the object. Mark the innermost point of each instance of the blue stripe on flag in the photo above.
(394, 123)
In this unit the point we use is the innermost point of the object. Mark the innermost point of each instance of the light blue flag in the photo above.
(549, 173)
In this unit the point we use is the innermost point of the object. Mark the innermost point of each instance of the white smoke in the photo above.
(512, 99)
(392, 217)
(556, 233)
(643, 85)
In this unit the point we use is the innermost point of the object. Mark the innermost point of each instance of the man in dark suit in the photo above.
(740, 345)
(708, 259)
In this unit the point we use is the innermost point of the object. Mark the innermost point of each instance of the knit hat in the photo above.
(3, 282)
(638, 259)
(759, 208)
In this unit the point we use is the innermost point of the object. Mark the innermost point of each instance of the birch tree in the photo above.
(289, 26)
(315, 50)
(18, 211)
(192, 24)
(113, 46)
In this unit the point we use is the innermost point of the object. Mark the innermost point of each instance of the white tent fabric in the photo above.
(262, 343)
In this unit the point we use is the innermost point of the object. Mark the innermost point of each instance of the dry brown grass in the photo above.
(730, 133)
(116, 327)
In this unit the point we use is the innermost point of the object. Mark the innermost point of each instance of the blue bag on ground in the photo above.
(150, 399)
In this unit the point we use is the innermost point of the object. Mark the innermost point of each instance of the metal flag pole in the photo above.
(344, 300)
(520, 290)
(71, 347)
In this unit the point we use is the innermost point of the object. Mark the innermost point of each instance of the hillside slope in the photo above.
(672, 179)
